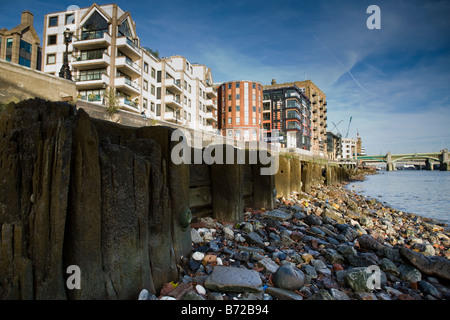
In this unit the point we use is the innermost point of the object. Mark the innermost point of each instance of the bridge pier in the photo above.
(444, 161)
(389, 164)
(428, 165)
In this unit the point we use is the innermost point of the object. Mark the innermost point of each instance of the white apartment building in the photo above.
(348, 150)
(106, 53)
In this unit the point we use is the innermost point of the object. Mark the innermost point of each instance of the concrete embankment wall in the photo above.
(109, 199)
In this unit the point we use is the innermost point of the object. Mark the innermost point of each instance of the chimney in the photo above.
(273, 82)
(27, 17)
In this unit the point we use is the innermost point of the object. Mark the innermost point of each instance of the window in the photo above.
(254, 108)
(52, 39)
(146, 67)
(87, 75)
(145, 103)
(237, 84)
(51, 58)
(145, 85)
(153, 73)
(254, 120)
(229, 97)
(254, 85)
(9, 44)
(229, 108)
(91, 55)
(238, 120)
(152, 89)
(238, 108)
(229, 120)
(70, 18)
(25, 54)
(238, 97)
(53, 21)
(229, 85)
(152, 106)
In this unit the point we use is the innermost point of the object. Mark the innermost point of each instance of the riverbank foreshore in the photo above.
(327, 244)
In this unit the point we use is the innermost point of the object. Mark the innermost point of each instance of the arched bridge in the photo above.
(390, 159)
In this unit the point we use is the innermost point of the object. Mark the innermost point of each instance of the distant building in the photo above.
(106, 53)
(21, 44)
(349, 152)
(239, 106)
(287, 109)
(334, 146)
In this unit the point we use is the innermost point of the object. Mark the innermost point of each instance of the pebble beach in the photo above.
(326, 244)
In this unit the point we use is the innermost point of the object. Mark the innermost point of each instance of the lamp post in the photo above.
(65, 69)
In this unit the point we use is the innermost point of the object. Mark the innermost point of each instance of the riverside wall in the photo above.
(107, 198)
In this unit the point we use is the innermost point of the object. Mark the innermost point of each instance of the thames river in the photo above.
(425, 193)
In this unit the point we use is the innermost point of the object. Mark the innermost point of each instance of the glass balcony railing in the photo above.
(132, 44)
(132, 64)
(131, 83)
(130, 103)
(95, 34)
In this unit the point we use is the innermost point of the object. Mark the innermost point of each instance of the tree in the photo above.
(111, 101)
(155, 53)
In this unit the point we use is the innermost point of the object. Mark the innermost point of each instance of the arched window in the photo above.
(94, 27)
(124, 29)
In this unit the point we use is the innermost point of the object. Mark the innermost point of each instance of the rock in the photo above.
(365, 259)
(357, 279)
(428, 288)
(365, 296)
(215, 296)
(333, 256)
(317, 231)
(368, 242)
(409, 273)
(388, 266)
(312, 219)
(191, 295)
(231, 279)
(366, 221)
(299, 215)
(200, 289)
(346, 250)
(318, 264)
(309, 270)
(145, 295)
(241, 256)
(194, 264)
(167, 298)
(198, 256)
(330, 213)
(339, 295)
(283, 294)
(276, 215)
(228, 233)
(322, 295)
(209, 259)
(247, 227)
(269, 265)
(289, 278)
(307, 257)
(255, 239)
(425, 249)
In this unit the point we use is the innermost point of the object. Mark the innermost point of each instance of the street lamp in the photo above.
(65, 69)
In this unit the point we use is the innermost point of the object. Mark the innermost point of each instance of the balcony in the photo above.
(92, 40)
(290, 104)
(211, 93)
(173, 85)
(171, 117)
(128, 67)
(210, 116)
(209, 128)
(173, 102)
(212, 104)
(293, 116)
(127, 86)
(292, 125)
(128, 47)
(89, 63)
(92, 81)
(128, 104)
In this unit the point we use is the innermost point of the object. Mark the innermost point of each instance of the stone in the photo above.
(338, 294)
(254, 239)
(365, 259)
(215, 296)
(388, 266)
(231, 279)
(145, 295)
(269, 265)
(346, 250)
(368, 242)
(247, 227)
(242, 256)
(289, 278)
(200, 289)
(333, 256)
(299, 215)
(428, 288)
(198, 256)
(318, 264)
(228, 233)
(331, 213)
(312, 219)
(322, 295)
(283, 294)
(309, 270)
(357, 279)
(276, 215)
(409, 273)
(317, 231)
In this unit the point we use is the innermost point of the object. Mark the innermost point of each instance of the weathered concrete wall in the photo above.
(18, 83)
(77, 191)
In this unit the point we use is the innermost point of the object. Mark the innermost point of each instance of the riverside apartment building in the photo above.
(106, 54)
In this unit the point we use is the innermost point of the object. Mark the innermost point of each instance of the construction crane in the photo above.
(350, 121)
(335, 126)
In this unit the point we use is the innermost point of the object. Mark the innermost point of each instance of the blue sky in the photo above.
(394, 82)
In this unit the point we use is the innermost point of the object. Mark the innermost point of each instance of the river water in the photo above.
(425, 193)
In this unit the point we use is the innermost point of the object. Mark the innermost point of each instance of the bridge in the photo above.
(391, 159)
